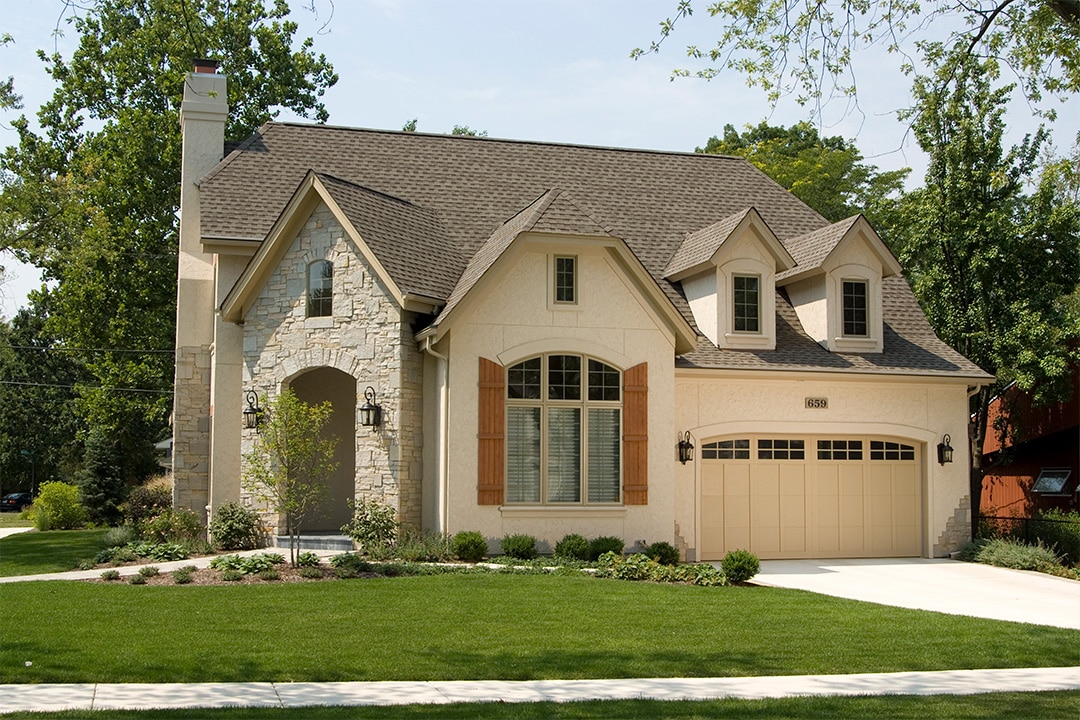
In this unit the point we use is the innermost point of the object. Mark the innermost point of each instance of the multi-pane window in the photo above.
(746, 302)
(781, 449)
(839, 450)
(882, 450)
(565, 280)
(726, 450)
(855, 319)
(563, 431)
(320, 289)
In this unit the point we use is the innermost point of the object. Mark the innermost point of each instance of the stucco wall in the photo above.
(511, 319)
(369, 337)
(712, 404)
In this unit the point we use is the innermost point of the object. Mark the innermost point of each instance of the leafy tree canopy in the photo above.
(828, 174)
(990, 245)
(807, 49)
(92, 198)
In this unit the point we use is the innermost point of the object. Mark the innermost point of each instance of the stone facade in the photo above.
(957, 532)
(367, 337)
(191, 430)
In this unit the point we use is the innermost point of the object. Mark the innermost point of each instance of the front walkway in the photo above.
(51, 698)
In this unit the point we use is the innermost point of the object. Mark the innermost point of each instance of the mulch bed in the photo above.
(206, 576)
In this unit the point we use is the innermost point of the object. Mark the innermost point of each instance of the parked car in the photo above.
(15, 502)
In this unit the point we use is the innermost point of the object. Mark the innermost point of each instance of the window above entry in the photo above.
(320, 289)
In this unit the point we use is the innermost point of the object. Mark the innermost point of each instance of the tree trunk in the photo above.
(976, 439)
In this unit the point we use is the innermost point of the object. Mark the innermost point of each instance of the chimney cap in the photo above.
(205, 65)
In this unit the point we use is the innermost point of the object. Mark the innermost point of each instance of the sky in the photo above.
(546, 70)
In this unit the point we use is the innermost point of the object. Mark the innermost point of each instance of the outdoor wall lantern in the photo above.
(370, 413)
(686, 449)
(944, 450)
(252, 413)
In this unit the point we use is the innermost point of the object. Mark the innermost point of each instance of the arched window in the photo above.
(320, 289)
(563, 431)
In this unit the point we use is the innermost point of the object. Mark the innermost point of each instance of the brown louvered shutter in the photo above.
(636, 435)
(491, 437)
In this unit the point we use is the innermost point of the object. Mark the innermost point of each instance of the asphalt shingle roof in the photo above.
(437, 210)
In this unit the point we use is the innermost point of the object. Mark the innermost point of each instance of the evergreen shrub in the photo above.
(522, 547)
(469, 546)
(572, 547)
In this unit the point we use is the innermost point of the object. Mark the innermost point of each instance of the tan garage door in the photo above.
(810, 497)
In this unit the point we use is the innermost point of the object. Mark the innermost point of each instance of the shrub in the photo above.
(416, 546)
(739, 566)
(119, 536)
(605, 544)
(311, 573)
(573, 547)
(230, 575)
(149, 571)
(522, 547)
(373, 526)
(663, 552)
(469, 546)
(110, 575)
(269, 575)
(247, 565)
(181, 578)
(137, 580)
(639, 566)
(1061, 532)
(122, 555)
(1016, 555)
(86, 564)
(145, 502)
(161, 552)
(307, 559)
(100, 479)
(350, 565)
(235, 527)
(177, 526)
(58, 507)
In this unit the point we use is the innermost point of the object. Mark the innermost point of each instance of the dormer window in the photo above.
(746, 303)
(320, 289)
(856, 323)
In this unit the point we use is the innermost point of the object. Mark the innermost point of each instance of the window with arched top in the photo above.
(563, 431)
(320, 289)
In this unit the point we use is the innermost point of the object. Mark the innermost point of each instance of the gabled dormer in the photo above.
(836, 286)
(728, 273)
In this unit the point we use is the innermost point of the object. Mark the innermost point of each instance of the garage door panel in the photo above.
(841, 504)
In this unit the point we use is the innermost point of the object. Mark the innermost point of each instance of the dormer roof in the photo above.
(700, 247)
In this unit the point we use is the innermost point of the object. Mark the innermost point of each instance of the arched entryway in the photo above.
(318, 386)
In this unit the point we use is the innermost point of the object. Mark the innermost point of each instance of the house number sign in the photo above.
(817, 403)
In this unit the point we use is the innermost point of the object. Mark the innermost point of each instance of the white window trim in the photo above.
(765, 338)
(760, 302)
(872, 342)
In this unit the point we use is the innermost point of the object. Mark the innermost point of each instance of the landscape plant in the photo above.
(519, 546)
(1059, 531)
(291, 464)
(663, 552)
(58, 506)
(739, 566)
(572, 546)
(145, 502)
(373, 526)
(235, 527)
(604, 544)
(1010, 553)
(119, 536)
(469, 546)
(173, 525)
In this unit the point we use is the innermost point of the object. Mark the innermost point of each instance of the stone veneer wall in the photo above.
(957, 532)
(369, 337)
(191, 430)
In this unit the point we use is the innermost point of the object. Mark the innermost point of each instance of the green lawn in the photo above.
(34, 553)
(14, 519)
(512, 627)
(996, 706)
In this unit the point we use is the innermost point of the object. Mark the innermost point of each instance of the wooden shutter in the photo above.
(491, 433)
(636, 435)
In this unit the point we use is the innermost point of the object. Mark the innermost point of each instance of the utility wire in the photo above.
(62, 348)
(85, 387)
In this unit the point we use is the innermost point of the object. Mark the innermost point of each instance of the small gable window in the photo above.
(320, 289)
(855, 304)
(747, 303)
(565, 280)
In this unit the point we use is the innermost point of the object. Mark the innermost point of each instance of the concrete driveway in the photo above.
(947, 586)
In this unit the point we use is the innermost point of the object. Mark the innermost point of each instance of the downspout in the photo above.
(443, 475)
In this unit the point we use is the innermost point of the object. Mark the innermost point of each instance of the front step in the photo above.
(337, 543)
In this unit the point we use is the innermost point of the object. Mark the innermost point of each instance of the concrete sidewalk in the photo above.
(53, 698)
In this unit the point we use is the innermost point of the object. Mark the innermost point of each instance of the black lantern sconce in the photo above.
(686, 449)
(370, 413)
(944, 450)
(253, 414)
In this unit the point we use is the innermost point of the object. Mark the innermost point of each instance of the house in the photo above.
(1037, 466)
(652, 345)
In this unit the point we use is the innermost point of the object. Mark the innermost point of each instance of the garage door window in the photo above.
(839, 450)
(781, 449)
(881, 450)
(726, 450)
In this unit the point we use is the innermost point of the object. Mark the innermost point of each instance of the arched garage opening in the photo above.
(329, 384)
(787, 496)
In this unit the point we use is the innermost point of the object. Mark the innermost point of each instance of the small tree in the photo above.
(292, 461)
